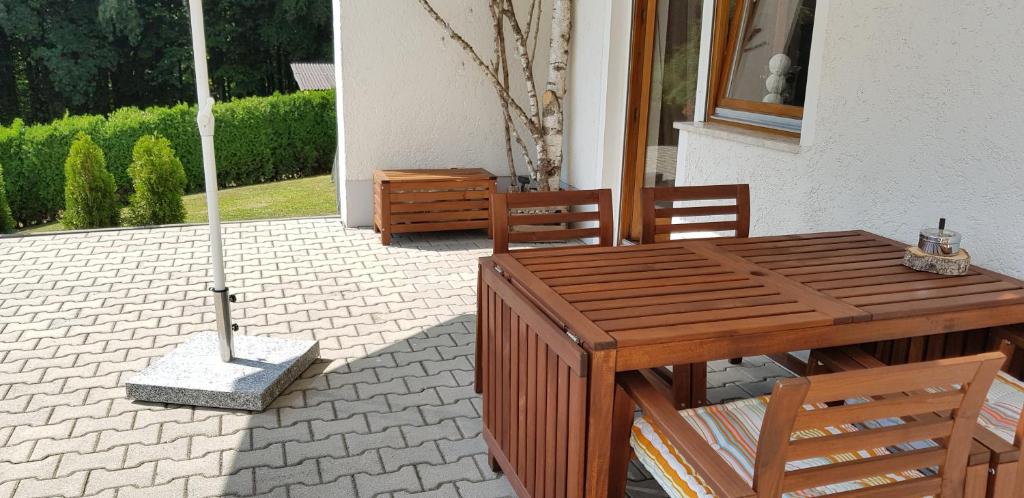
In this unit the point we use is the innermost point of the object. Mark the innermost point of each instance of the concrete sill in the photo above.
(741, 135)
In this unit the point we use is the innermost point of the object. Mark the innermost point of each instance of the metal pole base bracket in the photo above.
(222, 305)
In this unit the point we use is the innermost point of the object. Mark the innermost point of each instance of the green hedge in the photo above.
(6, 221)
(259, 139)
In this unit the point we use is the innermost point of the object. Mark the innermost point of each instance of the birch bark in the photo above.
(545, 120)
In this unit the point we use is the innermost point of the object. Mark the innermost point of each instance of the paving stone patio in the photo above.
(389, 410)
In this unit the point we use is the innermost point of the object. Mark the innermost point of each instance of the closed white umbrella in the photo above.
(217, 369)
(222, 302)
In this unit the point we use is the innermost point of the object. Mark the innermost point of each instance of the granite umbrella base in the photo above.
(193, 374)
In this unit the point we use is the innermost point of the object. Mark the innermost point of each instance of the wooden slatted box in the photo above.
(430, 200)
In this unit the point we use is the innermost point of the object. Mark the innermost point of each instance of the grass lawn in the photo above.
(312, 196)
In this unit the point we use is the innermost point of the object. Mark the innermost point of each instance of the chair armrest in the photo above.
(1002, 451)
(697, 452)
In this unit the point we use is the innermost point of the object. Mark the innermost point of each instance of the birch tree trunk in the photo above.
(550, 163)
(545, 119)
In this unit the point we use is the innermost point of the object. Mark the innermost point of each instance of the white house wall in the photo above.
(411, 97)
(596, 108)
(917, 113)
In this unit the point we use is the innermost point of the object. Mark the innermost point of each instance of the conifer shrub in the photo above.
(90, 197)
(159, 181)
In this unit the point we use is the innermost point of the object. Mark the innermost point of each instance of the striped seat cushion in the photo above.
(732, 430)
(1003, 406)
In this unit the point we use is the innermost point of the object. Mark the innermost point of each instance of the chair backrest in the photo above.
(520, 217)
(739, 208)
(937, 400)
(1011, 342)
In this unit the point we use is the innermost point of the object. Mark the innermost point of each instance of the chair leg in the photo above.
(620, 452)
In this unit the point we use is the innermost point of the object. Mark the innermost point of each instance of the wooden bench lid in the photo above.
(432, 175)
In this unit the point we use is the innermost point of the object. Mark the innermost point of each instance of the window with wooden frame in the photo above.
(759, 56)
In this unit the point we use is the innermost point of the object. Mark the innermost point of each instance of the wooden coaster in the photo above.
(957, 264)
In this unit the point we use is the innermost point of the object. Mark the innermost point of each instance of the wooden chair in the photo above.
(510, 225)
(536, 227)
(653, 231)
(689, 375)
(1000, 429)
(874, 445)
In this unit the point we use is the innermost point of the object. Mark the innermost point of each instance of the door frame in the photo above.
(638, 103)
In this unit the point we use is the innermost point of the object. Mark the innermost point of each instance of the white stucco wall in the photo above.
(411, 97)
(596, 108)
(916, 112)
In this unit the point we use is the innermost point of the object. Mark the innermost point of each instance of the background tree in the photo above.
(543, 118)
(159, 181)
(94, 56)
(90, 198)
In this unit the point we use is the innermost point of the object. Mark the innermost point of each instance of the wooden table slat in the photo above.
(871, 280)
(622, 268)
(873, 248)
(920, 284)
(931, 294)
(834, 260)
(642, 272)
(541, 269)
(684, 285)
(858, 242)
(726, 290)
(691, 277)
(944, 304)
(859, 265)
(681, 308)
(658, 336)
(686, 318)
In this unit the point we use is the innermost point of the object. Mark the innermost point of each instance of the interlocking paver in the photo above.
(168, 470)
(354, 424)
(390, 409)
(72, 462)
(395, 459)
(357, 443)
(367, 462)
(304, 473)
(407, 417)
(72, 485)
(333, 446)
(433, 476)
(102, 479)
(446, 429)
(404, 479)
(141, 453)
(344, 487)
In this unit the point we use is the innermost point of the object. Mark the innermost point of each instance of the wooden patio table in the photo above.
(556, 325)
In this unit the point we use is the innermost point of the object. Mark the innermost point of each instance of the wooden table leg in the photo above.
(599, 432)
(698, 384)
(690, 385)
(622, 425)
(682, 386)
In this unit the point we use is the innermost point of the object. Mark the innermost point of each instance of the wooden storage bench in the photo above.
(430, 200)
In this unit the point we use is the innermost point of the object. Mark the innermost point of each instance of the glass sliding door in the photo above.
(664, 51)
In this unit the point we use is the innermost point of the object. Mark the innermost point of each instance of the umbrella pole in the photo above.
(222, 300)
